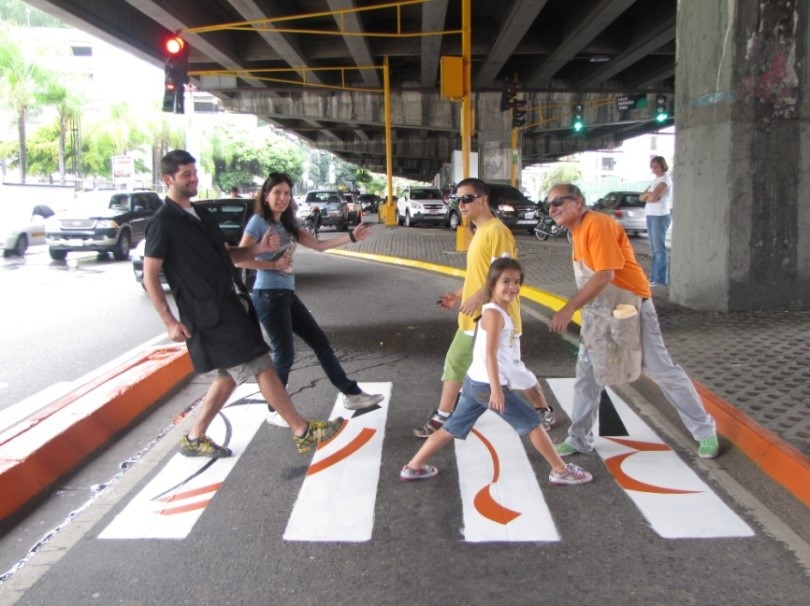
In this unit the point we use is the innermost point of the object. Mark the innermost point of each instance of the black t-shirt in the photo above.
(201, 277)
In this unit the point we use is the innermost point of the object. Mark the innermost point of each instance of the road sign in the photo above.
(628, 102)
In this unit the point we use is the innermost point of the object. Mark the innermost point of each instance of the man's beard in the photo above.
(186, 191)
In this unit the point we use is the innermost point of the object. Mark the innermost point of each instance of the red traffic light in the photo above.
(174, 46)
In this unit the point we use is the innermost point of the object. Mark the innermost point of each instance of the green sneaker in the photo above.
(564, 449)
(317, 433)
(709, 447)
(203, 447)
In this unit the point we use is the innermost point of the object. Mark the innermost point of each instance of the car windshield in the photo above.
(229, 216)
(632, 201)
(97, 201)
(425, 194)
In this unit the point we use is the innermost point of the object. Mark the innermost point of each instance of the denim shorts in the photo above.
(474, 402)
(244, 372)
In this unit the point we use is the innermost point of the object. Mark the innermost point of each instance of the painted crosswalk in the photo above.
(336, 501)
(170, 505)
(501, 498)
(668, 493)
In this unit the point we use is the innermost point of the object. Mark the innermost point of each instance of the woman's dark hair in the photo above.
(260, 206)
(497, 267)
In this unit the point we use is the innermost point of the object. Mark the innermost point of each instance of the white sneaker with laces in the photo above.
(273, 418)
(361, 400)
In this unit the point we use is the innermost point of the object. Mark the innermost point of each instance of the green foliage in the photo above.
(243, 158)
(562, 173)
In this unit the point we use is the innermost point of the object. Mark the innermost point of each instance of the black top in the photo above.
(202, 277)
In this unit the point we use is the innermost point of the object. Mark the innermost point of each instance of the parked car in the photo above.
(370, 203)
(421, 205)
(22, 225)
(507, 203)
(334, 210)
(232, 215)
(626, 208)
(103, 221)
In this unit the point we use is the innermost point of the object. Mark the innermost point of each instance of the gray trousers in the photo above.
(655, 361)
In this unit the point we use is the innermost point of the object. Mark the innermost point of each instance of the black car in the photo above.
(334, 209)
(104, 221)
(232, 215)
(507, 203)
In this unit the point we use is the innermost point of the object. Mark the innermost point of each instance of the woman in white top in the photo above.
(492, 382)
(659, 204)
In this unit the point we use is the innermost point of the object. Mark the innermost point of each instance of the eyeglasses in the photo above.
(560, 200)
(467, 198)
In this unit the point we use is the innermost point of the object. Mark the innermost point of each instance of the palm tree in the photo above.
(22, 84)
(68, 108)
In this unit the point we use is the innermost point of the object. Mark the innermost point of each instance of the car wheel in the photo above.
(121, 250)
(20, 246)
(57, 255)
(408, 220)
(454, 221)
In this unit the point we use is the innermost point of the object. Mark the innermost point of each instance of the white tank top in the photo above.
(511, 370)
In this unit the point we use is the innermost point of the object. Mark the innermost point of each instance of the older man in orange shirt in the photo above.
(607, 273)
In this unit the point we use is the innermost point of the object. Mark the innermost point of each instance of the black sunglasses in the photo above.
(467, 198)
(559, 200)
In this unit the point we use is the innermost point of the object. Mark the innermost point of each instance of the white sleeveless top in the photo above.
(511, 370)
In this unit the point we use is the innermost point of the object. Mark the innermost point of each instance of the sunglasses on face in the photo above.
(467, 198)
(560, 200)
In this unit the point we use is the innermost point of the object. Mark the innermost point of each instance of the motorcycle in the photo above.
(546, 228)
(312, 222)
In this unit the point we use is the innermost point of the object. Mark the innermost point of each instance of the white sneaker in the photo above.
(361, 400)
(273, 418)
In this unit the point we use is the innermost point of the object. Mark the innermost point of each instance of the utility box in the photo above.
(452, 78)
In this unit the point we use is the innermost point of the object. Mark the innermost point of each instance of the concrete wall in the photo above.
(741, 156)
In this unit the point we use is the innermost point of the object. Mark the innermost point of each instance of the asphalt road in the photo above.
(62, 320)
(385, 326)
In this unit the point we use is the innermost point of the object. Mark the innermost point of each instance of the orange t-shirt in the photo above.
(600, 243)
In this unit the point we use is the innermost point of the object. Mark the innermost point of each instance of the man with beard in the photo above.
(218, 323)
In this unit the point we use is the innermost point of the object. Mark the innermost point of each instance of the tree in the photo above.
(68, 107)
(22, 85)
(239, 157)
(562, 173)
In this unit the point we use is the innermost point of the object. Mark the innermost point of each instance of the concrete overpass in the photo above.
(741, 103)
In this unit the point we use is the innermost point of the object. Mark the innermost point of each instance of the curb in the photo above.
(779, 460)
(39, 450)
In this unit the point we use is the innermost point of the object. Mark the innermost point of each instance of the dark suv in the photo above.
(506, 203)
(104, 221)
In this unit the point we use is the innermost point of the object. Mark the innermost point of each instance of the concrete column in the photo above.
(741, 237)
(495, 155)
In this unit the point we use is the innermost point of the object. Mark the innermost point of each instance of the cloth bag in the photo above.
(614, 344)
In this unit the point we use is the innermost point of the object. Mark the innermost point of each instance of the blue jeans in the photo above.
(282, 313)
(474, 402)
(657, 232)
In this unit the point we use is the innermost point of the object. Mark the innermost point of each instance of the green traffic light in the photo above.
(578, 125)
(661, 117)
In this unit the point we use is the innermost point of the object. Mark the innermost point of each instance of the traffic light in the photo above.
(508, 95)
(578, 122)
(661, 110)
(175, 50)
(518, 113)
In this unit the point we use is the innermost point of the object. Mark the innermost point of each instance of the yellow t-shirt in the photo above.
(601, 243)
(493, 239)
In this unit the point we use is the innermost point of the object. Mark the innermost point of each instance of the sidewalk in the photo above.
(753, 361)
